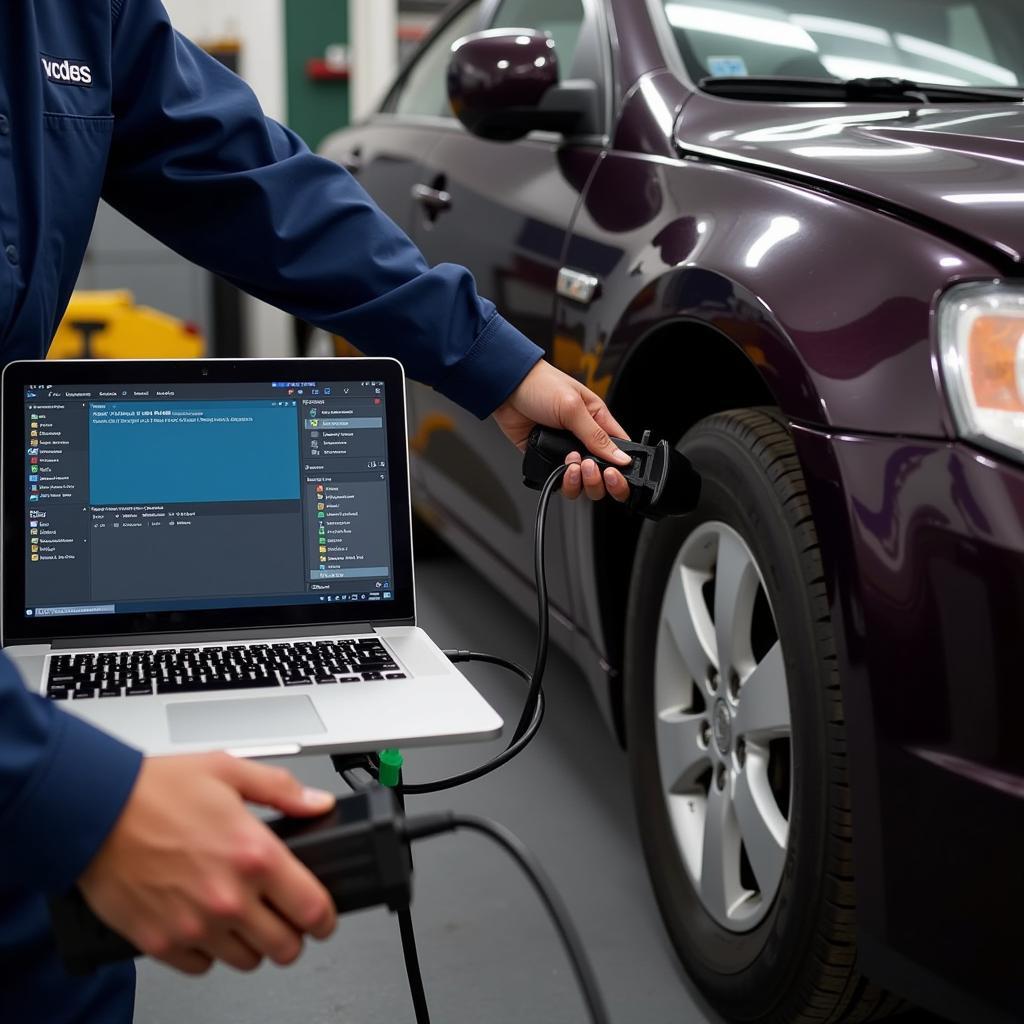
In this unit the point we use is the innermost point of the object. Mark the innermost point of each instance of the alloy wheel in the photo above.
(723, 726)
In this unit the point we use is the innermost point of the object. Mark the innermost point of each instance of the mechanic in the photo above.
(102, 97)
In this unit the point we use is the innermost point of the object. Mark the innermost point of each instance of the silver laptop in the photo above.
(217, 554)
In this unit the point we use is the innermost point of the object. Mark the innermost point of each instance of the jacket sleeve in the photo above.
(196, 163)
(62, 787)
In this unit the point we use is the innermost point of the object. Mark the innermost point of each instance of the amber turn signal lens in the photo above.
(996, 362)
(981, 348)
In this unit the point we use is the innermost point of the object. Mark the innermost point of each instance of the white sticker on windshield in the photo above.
(727, 67)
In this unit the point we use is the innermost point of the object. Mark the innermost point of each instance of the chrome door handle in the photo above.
(577, 286)
(435, 200)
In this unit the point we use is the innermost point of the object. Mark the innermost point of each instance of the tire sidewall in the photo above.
(754, 968)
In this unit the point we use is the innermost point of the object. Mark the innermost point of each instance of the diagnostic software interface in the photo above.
(196, 496)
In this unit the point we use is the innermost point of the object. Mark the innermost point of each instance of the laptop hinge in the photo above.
(213, 636)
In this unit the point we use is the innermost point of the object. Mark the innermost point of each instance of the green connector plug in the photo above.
(391, 762)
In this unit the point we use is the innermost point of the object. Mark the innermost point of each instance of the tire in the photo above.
(765, 927)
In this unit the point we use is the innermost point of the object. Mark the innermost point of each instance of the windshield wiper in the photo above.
(863, 90)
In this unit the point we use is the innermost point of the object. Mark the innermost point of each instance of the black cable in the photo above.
(512, 750)
(492, 659)
(355, 782)
(533, 709)
(423, 826)
(405, 927)
(412, 966)
(552, 484)
(409, 950)
(529, 724)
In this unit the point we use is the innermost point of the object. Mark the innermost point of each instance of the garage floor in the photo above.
(488, 951)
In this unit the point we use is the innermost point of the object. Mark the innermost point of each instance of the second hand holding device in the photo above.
(360, 850)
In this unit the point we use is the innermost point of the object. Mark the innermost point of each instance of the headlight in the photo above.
(981, 340)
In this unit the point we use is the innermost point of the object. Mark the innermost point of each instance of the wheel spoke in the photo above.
(707, 677)
(720, 858)
(678, 614)
(761, 825)
(736, 583)
(680, 754)
(763, 710)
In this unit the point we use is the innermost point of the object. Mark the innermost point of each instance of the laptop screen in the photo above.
(155, 499)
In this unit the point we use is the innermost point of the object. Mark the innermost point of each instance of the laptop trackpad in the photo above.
(224, 721)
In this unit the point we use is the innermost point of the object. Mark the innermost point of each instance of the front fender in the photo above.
(831, 302)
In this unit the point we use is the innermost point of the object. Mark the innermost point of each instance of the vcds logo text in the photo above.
(67, 72)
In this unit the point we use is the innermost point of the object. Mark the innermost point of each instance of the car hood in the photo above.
(960, 168)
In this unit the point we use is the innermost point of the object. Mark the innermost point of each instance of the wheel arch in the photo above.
(673, 376)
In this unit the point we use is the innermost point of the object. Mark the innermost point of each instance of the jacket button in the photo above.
(12, 254)
(5, 125)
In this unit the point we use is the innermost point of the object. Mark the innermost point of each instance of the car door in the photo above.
(503, 210)
(386, 151)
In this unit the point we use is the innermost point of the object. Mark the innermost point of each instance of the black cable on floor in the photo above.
(405, 927)
(429, 825)
(412, 966)
(409, 951)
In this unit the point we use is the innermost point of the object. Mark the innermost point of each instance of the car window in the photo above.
(424, 91)
(563, 19)
(942, 42)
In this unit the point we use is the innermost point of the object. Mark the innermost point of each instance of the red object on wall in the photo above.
(319, 70)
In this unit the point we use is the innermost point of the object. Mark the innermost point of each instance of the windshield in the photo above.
(943, 42)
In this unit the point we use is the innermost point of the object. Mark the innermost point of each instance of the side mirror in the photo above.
(504, 83)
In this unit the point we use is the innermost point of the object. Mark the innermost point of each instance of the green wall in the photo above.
(314, 108)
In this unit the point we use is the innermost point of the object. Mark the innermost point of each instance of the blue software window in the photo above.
(191, 452)
(196, 496)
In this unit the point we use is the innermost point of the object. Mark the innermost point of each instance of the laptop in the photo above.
(217, 555)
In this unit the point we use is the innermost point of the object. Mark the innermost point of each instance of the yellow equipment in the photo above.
(108, 325)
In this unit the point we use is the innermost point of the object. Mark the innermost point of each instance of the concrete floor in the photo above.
(488, 952)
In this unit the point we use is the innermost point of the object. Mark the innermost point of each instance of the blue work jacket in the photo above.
(103, 98)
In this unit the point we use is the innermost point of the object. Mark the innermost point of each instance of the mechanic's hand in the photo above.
(554, 399)
(190, 876)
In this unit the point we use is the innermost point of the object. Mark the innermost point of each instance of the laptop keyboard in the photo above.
(205, 669)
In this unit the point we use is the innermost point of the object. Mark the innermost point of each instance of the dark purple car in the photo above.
(789, 236)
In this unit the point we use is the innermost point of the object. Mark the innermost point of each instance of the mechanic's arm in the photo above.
(195, 162)
(164, 850)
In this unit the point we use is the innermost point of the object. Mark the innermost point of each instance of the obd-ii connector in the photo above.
(359, 851)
